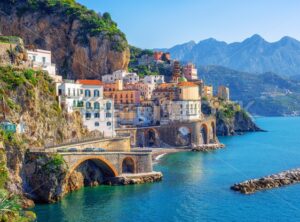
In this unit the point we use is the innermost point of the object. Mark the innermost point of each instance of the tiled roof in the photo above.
(89, 82)
(187, 84)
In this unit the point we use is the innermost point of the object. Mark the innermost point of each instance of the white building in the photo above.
(86, 96)
(154, 79)
(131, 78)
(41, 59)
(117, 75)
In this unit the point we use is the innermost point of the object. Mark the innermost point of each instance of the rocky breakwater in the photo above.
(269, 182)
(141, 178)
(208, 147)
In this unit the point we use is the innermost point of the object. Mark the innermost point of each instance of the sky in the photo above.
(165, 23)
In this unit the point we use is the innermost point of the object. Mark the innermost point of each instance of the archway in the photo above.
(204, 133)
(151, 138)
(128, 165)
(183, 137)
(213, 132)
(89, 171)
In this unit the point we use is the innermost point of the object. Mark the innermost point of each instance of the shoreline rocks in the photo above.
(269, 182)
(208, 147)
(130, 179)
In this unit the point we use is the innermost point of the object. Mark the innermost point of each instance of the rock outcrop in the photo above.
(231, 118)
(268, 182)
(79, 48)
(239, 123)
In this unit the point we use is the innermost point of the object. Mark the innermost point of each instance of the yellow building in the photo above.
(208, 92)
(188, 91)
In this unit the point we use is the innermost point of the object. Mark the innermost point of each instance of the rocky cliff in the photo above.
(231, 118)
(84, 44)
(28, 99)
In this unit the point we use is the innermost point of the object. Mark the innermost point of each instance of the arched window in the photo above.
(97, 124)
(97, 115)
(96, 93)
(88, 105)
(108, 123)
(96, 105)
(108, 115)
(87, 93)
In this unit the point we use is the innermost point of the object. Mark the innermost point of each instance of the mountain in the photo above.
(266, 94)
(253, 55)
(84, 44)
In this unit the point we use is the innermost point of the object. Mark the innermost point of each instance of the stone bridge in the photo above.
(200, 132)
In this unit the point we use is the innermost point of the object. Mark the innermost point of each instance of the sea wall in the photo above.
(273, 181)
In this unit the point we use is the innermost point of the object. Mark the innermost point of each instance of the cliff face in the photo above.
(79, 47)
(231, 119)
(239, 123)
(28, 98)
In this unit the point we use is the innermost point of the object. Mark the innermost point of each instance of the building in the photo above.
(207, 92)
(190, 72)
(145, 90)
(187, 106)
(157, 55)
(154, 79)
(131, 78)
(41, 59)
(176, 71)
(124, 96)
(86, 97)
(223, 93)
(116, 86)
(120, 75)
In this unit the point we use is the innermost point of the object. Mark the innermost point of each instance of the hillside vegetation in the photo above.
(264, 94)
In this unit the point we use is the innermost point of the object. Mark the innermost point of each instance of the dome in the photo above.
(182, 79)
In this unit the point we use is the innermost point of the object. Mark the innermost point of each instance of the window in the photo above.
(97, 124)
(108, 123)
(88, 115)
(108, 115)
(96, 93)
(81, 91)
(88, 105)
(44, 60)
(108, 106)
(34, 58)
(80, 104)
(87, 93)
(96, 105)
(97, 115)
(69, 92)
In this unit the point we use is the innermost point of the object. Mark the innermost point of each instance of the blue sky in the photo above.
(165, 23)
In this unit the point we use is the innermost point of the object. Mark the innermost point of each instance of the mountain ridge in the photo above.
(253, 55)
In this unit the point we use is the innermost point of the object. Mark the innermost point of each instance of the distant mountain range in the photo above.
(264, 94)
(253, 55)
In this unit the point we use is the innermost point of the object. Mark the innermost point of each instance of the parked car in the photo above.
(72, 150)
(88, 150)
(63, 150)
(99, 150)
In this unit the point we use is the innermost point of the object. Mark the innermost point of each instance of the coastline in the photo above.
(158, 153)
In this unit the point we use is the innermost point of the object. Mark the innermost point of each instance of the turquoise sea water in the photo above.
(196, 185)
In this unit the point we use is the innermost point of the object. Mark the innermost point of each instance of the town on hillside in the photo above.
(153, 111)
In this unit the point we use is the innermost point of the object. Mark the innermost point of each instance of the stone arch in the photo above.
(151, 136)
(128, 165)
(204, 133)
(89, 171)
(184, 136)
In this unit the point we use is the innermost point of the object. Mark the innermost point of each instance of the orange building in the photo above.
(157, 55)
(116, 86)
(124, 96)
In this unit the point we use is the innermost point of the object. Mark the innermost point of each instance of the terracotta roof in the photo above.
(89, 82)
(187, 84)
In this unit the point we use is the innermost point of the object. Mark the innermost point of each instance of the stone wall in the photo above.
(112, 144)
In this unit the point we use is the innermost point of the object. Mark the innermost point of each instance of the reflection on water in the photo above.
(195, 186)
